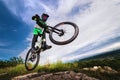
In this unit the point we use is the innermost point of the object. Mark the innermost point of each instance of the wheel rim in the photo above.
(73, 33)
(31, 61)
(68, 33)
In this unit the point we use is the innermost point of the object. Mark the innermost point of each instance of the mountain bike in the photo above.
(61, 34)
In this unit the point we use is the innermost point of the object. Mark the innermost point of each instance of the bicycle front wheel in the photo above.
(31, 60)
(70, 32)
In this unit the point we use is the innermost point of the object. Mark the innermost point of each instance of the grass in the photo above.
(77, 66)
(12, 71)
(20, 69)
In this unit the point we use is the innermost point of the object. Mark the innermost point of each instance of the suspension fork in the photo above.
(58, 31)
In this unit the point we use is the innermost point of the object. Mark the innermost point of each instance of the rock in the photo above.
(65, 75)
(101, 69)
(77, 77)
(107, 68)
(79, 74)
(67, 72)
(95, 67)
(86, 69)
(72, 73)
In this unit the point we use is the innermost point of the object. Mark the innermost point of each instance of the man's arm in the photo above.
(39, 21)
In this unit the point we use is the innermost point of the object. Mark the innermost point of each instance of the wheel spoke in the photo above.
(71, 32)
(31, 60)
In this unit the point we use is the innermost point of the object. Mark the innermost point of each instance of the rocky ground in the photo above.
(66, 75)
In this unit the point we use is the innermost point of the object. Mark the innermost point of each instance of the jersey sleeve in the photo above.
(41, 23)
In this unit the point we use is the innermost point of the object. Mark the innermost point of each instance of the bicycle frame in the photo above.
(52, 29)
(58, 31)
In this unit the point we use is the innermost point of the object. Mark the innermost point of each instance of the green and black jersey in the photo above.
(39, 27)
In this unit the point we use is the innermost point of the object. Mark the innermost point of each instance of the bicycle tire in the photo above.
(36, 64)
(69, 40)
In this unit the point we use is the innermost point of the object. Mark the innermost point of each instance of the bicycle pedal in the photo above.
(42, 49)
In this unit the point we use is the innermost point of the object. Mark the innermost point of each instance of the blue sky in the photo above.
(98, 21)
(13, 32)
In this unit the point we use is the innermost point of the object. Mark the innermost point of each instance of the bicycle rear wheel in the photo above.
(70, 32)
(31, 60)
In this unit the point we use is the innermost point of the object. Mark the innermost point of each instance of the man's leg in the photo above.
(34, 40)
(45, 46)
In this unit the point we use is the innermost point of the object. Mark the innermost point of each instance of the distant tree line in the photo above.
(11, 62)
(111, 62)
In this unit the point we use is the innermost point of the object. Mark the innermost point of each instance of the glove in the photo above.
(36, 17)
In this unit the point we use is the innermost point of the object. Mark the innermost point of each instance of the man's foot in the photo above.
(47, 47)
(34, 50)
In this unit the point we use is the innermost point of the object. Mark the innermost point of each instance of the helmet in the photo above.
(44, 17)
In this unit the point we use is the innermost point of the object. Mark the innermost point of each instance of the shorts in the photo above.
(37, 31)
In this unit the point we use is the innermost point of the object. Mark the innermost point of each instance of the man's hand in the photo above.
(36, 17)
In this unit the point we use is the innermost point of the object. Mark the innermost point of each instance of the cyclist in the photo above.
(39, 30)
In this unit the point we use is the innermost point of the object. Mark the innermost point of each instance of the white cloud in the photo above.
(3, 50)
(98, 22)
(24, 53)
(4, 43)
(111, 47)
(66, 6)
